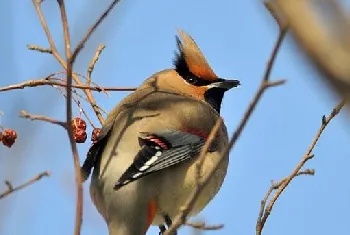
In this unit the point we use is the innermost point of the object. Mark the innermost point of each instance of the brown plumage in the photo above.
(194, 58)
(144, 158)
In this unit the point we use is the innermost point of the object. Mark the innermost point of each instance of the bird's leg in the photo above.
(168, 221)
(162, 229)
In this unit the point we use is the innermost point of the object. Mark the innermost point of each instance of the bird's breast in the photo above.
(177, 185)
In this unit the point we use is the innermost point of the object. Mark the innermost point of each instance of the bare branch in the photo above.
(203, 226)
(12, 189)
(24, 114)
(93, 28)
(69, 70)
(39, 48)
(273, 56)
(77, 102)
(273, 187)
(37, 5)
(46, 82)
(93, 62)
(281, 186)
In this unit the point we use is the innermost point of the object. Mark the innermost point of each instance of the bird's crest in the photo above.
(192, 59)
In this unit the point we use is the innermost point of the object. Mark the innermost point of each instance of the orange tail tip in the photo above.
(151, 213)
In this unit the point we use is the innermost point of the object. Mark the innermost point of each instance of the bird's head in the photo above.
(193, 75)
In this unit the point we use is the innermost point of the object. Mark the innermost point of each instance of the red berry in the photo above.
(9, 137)
(78, 124)
(79, 135)
(95, 134)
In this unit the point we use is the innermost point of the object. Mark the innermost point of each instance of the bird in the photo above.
(143, 161)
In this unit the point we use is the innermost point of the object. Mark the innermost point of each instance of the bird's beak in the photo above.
(224, 84)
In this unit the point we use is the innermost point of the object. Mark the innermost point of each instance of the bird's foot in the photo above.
(168, 222)
(162, 229)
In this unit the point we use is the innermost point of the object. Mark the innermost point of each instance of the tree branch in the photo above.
(69, 70)
(203, 226)
(47, 82)
(91, 67)
(81, 44)
(281, 186)
(40, 49)
(12, 189)
(24, 114)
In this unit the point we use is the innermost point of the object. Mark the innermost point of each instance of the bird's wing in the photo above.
(95, 151)
(161, 150)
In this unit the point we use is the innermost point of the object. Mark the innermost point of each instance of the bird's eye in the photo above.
(193, 80)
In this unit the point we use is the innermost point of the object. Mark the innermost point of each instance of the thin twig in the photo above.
(1, 127)
(77, 102)
(81, 109)
(83, 98)
(271, 61)
(39, 48)
(275, 186)
(46, 82)
(93, 83)
(93, 62)
(265, 84)
(37, 5)
(81, 44)
(285, 182)
(12, 189)
(24, 114)
(65, 28)
(203, 226)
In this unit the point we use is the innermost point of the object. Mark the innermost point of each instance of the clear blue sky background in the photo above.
(236, 37)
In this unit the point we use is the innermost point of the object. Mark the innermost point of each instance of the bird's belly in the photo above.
(108, 201)
(177, 188)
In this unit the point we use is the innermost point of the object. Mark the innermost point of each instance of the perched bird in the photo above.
(144, 157)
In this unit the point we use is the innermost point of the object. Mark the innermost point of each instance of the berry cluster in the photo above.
(79, 131)
(95, 134)
(8, 137)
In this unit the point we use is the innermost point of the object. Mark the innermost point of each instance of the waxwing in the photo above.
(144, 158)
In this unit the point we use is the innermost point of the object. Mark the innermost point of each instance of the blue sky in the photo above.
(236, 37)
